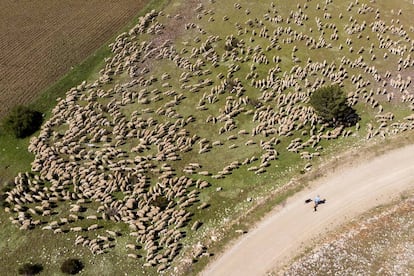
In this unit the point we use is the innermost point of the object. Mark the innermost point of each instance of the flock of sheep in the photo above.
(126, 149)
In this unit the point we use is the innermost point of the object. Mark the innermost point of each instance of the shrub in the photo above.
(71, 266)
(330, 103)
(160, 201)
(30, 269)
(23, 121)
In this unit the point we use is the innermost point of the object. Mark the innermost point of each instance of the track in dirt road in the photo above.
(285, 232)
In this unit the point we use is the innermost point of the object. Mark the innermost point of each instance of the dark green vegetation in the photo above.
(29, 269)
(71, 266)
(22, 121)
(199, 113)
(330, 103)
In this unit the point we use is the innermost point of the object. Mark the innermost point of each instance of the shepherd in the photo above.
(317, 200)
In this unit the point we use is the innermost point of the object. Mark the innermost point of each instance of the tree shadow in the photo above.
(350, 118)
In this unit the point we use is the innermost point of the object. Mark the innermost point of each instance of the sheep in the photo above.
(131, 246)
(93, 227)
(76, 229)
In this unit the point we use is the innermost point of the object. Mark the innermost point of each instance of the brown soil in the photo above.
(41, 40)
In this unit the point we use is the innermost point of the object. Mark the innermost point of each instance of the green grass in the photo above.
(14, 157)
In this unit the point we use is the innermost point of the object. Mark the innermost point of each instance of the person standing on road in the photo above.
(317, 200)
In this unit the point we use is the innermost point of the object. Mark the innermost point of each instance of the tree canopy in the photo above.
(23, 121)
(330, 104)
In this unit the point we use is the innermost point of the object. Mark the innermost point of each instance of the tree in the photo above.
(29, 269)
(330, 104)
(71, 266)
(23, 121)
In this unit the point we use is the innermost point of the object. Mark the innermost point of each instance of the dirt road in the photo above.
(287, 231)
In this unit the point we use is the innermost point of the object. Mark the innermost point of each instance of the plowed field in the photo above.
(41, 40)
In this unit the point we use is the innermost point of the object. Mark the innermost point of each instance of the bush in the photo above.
(23, 121)
(330, 103)
(30, 269)
(71, 266)
(160, 201)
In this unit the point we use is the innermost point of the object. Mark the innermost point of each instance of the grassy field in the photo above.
(210, 85)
